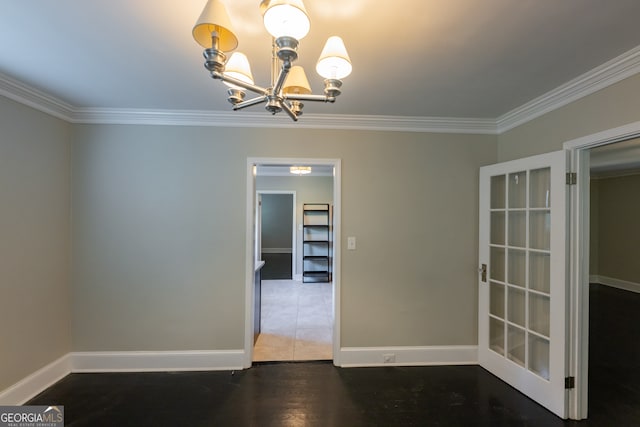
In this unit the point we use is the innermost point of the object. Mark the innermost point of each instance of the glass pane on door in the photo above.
(496, 335)
(498, 186)
(516, 345)
(540, 230)
(497, 264)
(516, 306)
(539, 271)
(518, 229)
(517, 190)
(497, 228)
(517, 267)
(496, 299)
(539, 356)
(540, 194)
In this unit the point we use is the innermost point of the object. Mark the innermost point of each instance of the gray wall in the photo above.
(617, 105)
(34, 241)
(277, 221)
(159, 234)
(158, 229)
(309, 189)
(618, 230)
(277, 236)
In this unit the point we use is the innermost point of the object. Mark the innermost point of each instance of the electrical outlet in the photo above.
(389, 358)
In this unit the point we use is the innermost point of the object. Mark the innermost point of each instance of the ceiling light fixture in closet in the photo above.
(300, 170)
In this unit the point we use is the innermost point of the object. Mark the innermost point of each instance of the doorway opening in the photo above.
(277, 240)
(295, 320)
(614, 276)
(581, 272)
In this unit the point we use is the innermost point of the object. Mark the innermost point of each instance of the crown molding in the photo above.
(619, 68)
(34, 98)
(262, 120)
(39, 100)
(613, 71)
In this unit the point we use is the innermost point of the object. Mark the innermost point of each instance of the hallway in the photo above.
(297, 321)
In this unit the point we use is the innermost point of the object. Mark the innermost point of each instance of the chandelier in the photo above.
(288, 23)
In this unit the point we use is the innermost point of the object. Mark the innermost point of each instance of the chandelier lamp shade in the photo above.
(287, 22)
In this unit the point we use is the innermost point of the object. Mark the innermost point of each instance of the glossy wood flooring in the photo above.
(319, 394)
(296, 395)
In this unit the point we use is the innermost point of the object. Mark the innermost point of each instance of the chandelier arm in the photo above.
(313, 98)
(282, 77)
(253, 88)
(274, 62)
(250, 102)
(288, 110)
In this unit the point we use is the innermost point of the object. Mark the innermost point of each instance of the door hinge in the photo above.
(570, 382)
(572, 178)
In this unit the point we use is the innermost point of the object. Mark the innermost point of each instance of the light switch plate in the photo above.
(351, 243)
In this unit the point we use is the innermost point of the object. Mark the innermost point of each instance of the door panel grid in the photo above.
(519, 291)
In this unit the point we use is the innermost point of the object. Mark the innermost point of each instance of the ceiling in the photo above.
(620, 158)
(417, 58)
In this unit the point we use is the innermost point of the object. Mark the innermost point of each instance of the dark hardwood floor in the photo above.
(614, 356)
(319, 394)
(296, 394)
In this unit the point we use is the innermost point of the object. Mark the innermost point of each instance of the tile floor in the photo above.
(297, 321)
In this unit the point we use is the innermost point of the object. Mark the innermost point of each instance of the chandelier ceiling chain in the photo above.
(287, 22)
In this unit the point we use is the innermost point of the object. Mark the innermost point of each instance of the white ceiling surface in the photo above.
(416, 58)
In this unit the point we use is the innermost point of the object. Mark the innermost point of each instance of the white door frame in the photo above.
(579, 259)
(293, 225)
(250, 261)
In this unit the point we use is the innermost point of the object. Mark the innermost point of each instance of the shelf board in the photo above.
(316, 257)
(315, 273)
(315, 241)
(316, 225)
(315, 207)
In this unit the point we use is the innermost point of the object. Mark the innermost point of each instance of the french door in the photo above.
(522, 281)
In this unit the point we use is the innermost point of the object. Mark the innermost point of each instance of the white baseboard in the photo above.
(35, 383)
(161, 361)
(408, 356)
(128, 361)
(615, 283)
(157, 361)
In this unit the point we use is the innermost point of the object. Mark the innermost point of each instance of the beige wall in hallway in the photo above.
(159, 234)
(594, 233)
(34, 241)
(618, 229)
